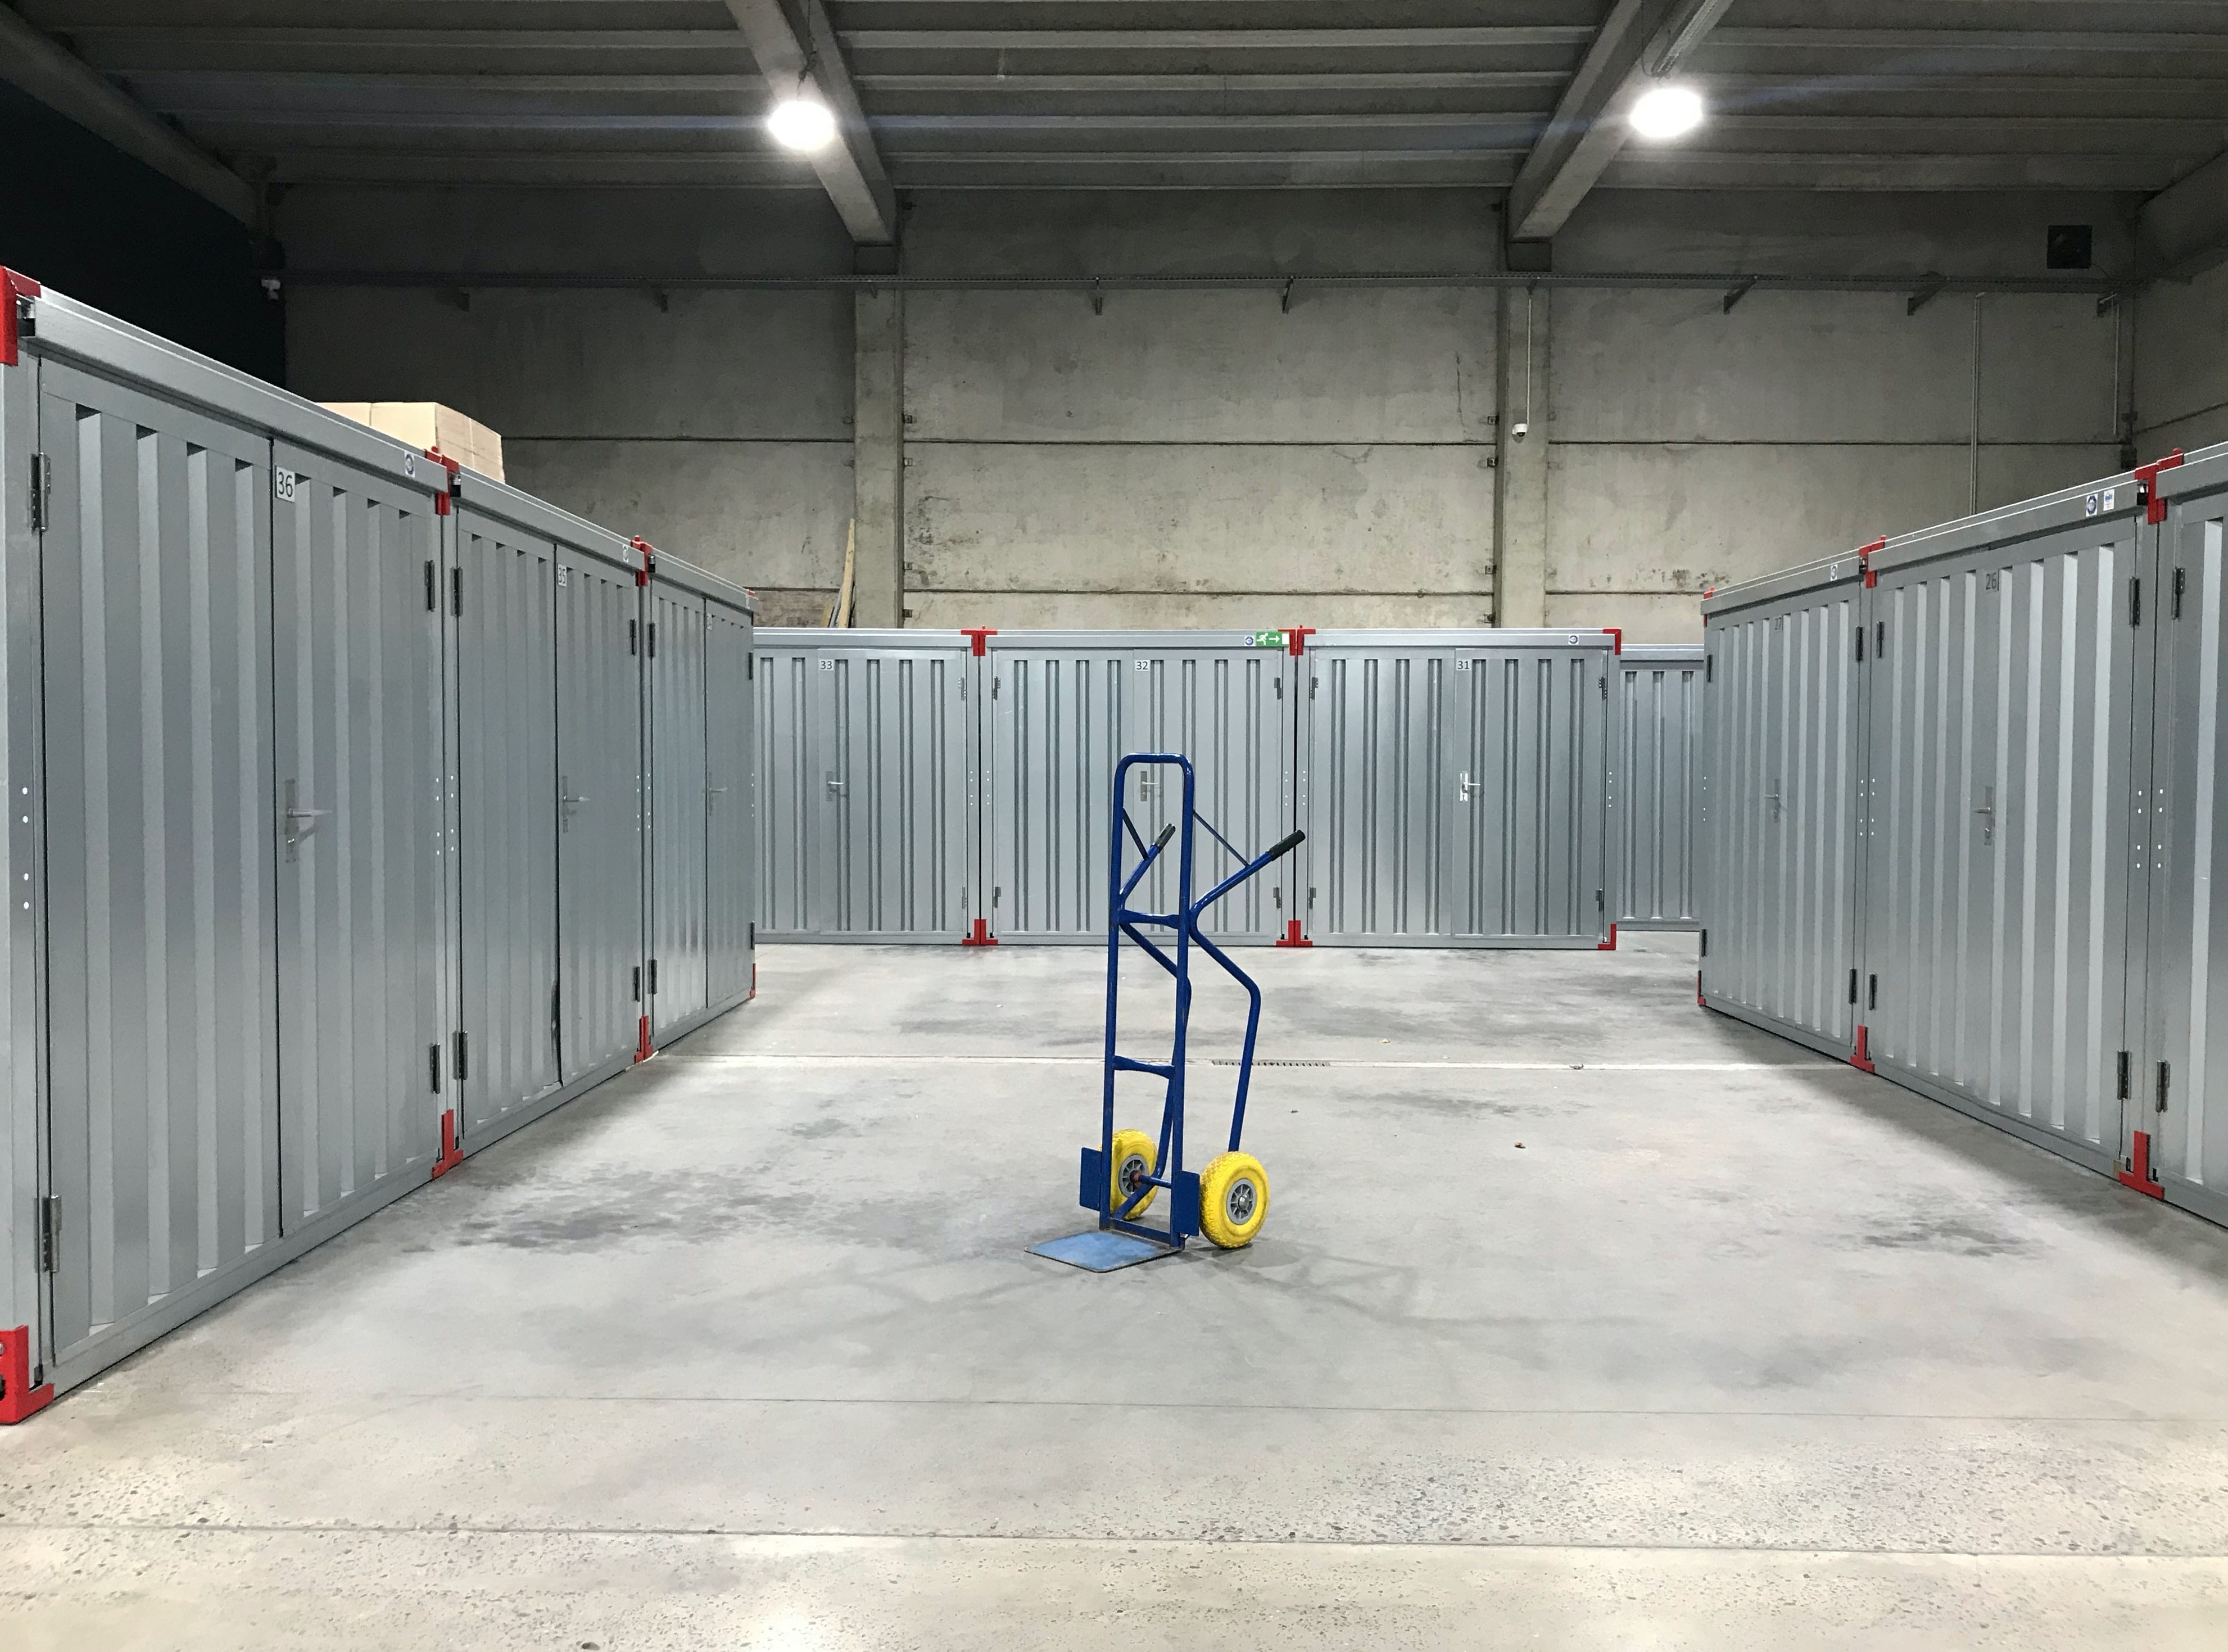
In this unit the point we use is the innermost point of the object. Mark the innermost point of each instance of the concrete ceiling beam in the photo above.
(2183, 230)
(793, 53)
(39, 66)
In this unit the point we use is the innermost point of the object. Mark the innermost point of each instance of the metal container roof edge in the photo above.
(2199, 472)
(2107, 498)
(1510, 636)
(1663, 653)
(1004, 641)
(64, 329)
(490, 497)
(1804, 576)
(860, 637)
(671, 570)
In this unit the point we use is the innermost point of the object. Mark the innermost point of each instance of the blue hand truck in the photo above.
(1126, 1172)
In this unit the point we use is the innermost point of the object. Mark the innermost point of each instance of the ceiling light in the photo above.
(1667, 111)
(801, 123)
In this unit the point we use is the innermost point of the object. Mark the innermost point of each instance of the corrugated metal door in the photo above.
(731, 860)
(678, 847)
(160, 923)
(866, 781)
(1063, 707)
(1655, 714)
(599, 843)
(2178, 1095)
(358, 674)
(504, 602)
(1454, 788)
(2000, 683)
(1783, 753)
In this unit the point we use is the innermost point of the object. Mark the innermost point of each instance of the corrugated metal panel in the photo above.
(358, 674)
(678, 845)
(505, 603)
(2002, 688)
(161, 915)
(866, 781)
(1654, 779)
(600, 779)
(2178, 1087)
(1780, 778)
(1453, 786)
(730, 853)
(1064, 707)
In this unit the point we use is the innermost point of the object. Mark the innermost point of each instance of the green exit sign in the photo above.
(1267, 639)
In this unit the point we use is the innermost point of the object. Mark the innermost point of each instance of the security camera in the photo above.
(1516, 432)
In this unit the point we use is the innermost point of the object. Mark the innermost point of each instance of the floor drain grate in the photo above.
(1263, 1061)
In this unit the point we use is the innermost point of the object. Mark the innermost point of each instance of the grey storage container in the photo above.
(325, 850)
(1061, 707)
(1782, 776)
(1452, 786)
(2174, 1140)
(1654, 787)
(867, 785)
(2001, 707)
(702, 898)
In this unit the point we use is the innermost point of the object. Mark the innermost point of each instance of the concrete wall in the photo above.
(1192, 457)
(2181, 364)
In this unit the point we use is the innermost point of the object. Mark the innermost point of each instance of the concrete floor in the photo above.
(1581, 1318)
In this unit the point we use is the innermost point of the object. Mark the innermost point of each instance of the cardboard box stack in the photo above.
(428, 423)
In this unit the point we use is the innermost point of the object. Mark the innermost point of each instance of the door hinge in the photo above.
(1861, 645)
(1709, 668)
(42, 491)
(751, 935)
(2135, 602)
(1600, 901)
(2164, 1083)
(1879, 641)
(461, 1066)
(638, 983)
(556, 1012)
(50, 1234)
(2125, 1077)
(433, 1066)
(994, 687)
(432, 594)
(962, 686)
(653, 639)
(457, 592)
(1852, 986)
(1871, 992)
(633, 640)
(750, 669)
(2180, 583)
(1280, 687)
(653, 977)
(1705, 942)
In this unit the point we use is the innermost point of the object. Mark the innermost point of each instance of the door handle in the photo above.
(1465, 786)
(835, 786)
(1987, 814)
(711, 792)
(567, 804)
(300, 821)
(1772, 797)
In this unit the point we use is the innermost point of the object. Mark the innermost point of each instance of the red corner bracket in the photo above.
(2138, 1173)
(1616, 634)
(1863, 1058)
(978, 637)
(1609, 945)
(980, 935)
(1864, 559)
(13, 288)
(647, 552)
(18, 1400)
(1700, 1002)
(451, 1154)
(2147, 477)
(1292, 936)
(1296, 638)
(642, 1050)
(441, 499)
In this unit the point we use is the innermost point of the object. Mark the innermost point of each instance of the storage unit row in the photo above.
(361, 809)
(1457, 787)
(1960, 811)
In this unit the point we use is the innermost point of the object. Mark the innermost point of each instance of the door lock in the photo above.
(1466, 787)
(300, 821)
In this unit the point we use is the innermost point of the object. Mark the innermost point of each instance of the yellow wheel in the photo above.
(1234, 1197)
(1134, 1156)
